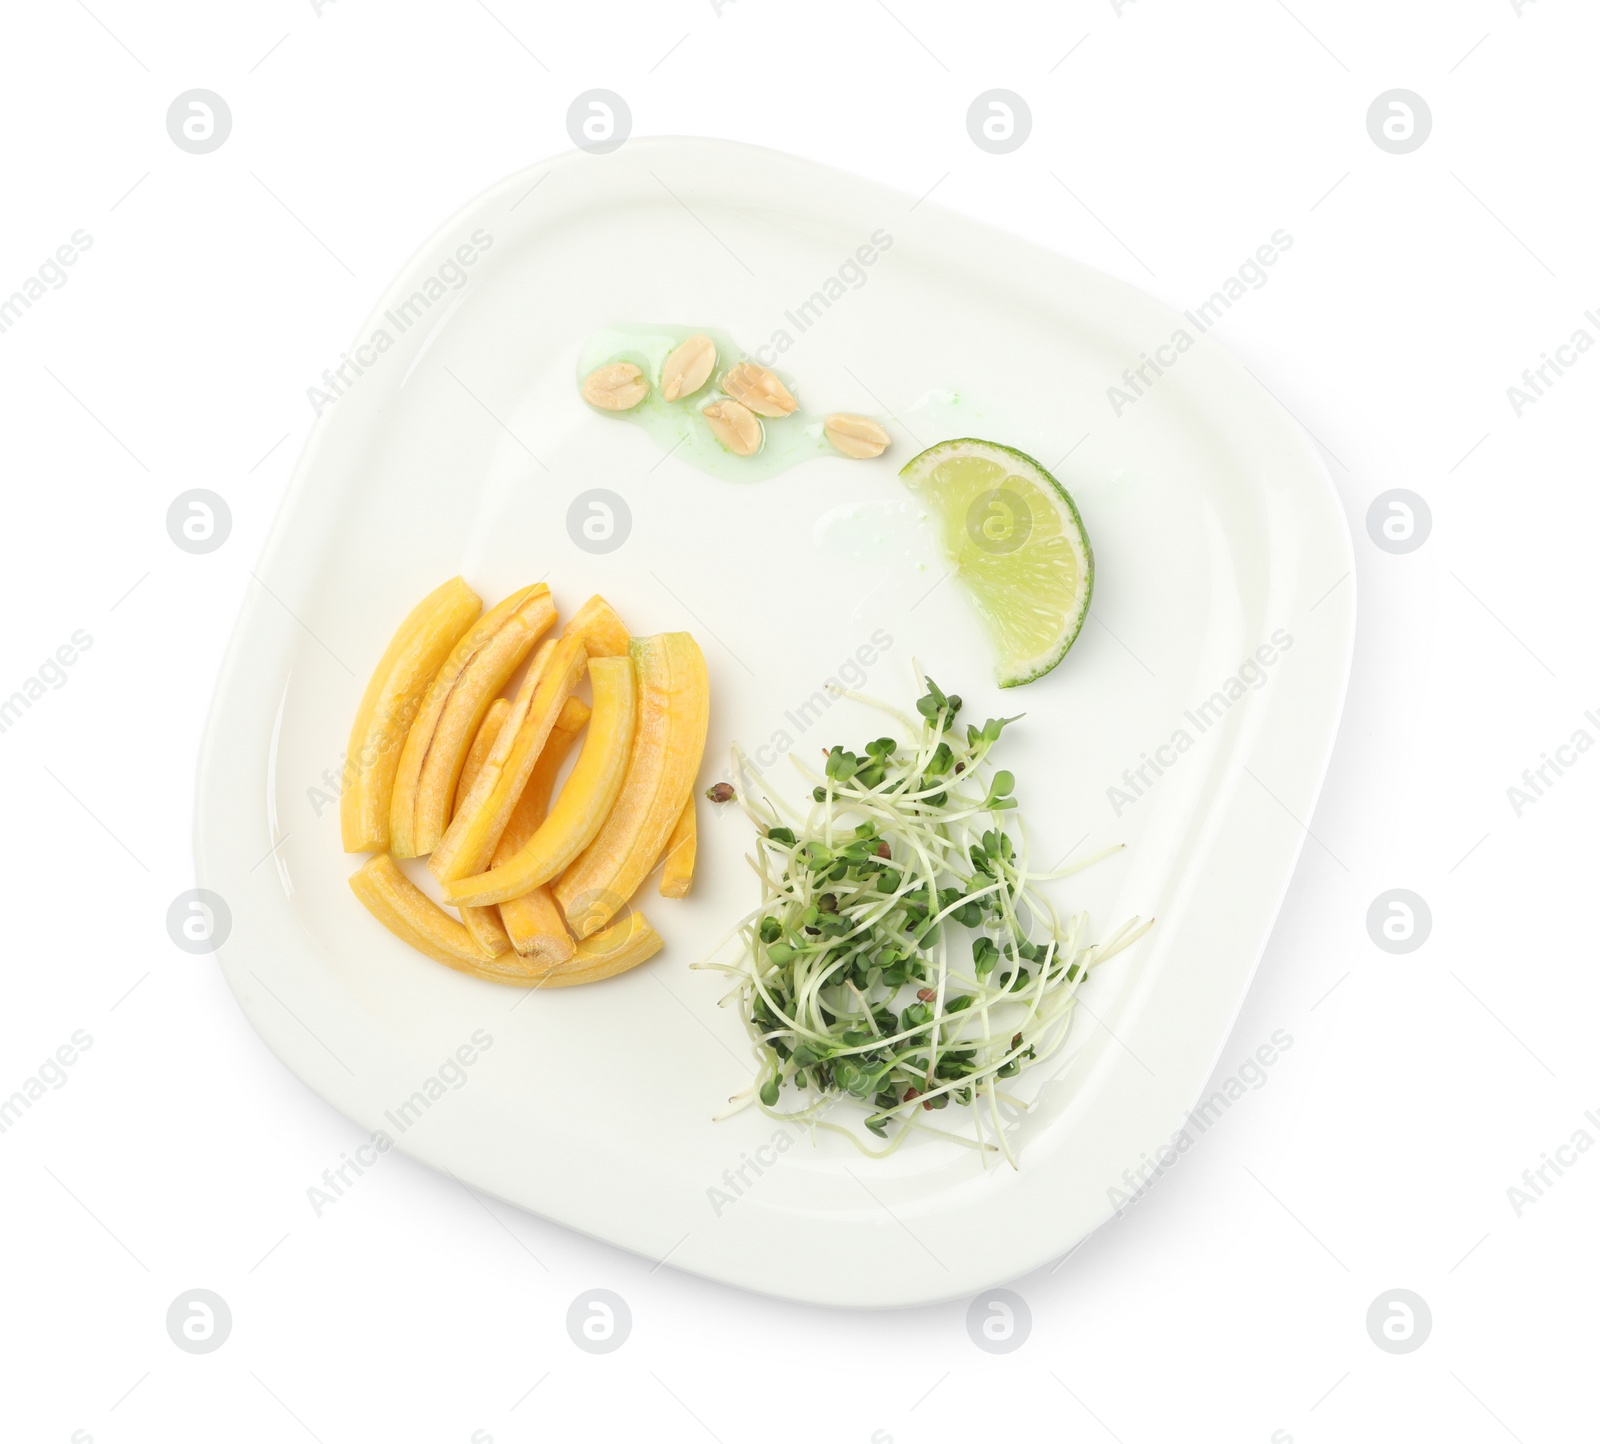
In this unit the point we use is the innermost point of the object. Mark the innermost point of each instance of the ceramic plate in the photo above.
(1192, 721)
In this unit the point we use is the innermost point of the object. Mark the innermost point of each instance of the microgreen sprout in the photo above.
(854, 979)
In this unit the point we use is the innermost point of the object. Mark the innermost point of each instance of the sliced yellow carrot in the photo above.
(488, 772)
(534, 801)
(585, 800)
(413, 917)
(669, 737)
(389, 706)
(487, 931)
(493, 720)
(537, 928)
(488, 730)
(485, 924)
(602, 630)
(533, 922)
(677, 870)
(469, 842)
(436, 748)
(623, 945)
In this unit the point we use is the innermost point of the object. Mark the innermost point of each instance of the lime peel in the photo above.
(1017, 542)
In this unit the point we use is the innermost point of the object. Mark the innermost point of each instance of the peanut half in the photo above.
(688, 367)
(734, 426)
(618, 387)
(855, 436)
(756, 387)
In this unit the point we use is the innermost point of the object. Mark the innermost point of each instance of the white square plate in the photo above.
(461, 447)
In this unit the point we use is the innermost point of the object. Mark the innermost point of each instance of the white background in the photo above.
(1168, 142)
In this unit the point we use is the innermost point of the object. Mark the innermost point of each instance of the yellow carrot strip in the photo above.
(534, 801)
(482, 663)
(677, 870)
(469, 843)
(537, 928)
(424, 724)
(533, 922)
(585, 800)
(669, 737)
(602, 630)
(493, 720)
(492, 765)
(488, 932)
(485, 924)
(389, 706)
(623, 945)
(413, 917)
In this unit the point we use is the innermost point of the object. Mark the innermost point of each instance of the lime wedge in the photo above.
(1017, 542)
